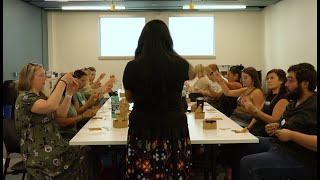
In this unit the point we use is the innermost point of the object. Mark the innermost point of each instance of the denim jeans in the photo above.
(274, 164)
(233, 153)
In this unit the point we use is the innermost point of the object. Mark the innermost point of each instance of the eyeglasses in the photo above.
(32, 64)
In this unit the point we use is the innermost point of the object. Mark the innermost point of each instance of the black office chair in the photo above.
(10, 138)
(11, 142)
(193, 96)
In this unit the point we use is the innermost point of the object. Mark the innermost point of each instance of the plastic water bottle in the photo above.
(185, 91)
(114, 105)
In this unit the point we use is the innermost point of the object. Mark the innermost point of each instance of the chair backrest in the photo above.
(10, 136)
(10, 95)
(193, 96)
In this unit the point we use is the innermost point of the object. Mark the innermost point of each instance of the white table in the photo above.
(118, 136)
(211, 138)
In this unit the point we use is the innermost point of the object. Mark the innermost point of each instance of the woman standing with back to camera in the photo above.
(159, 145)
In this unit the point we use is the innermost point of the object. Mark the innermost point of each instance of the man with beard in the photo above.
(293, 150)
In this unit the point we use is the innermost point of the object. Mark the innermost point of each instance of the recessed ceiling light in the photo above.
(215, 7)
(92, 8)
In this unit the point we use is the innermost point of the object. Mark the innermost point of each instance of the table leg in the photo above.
(213, 149)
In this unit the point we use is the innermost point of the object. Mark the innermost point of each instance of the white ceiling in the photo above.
(145, 5)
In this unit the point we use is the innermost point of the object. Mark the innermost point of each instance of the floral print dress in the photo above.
(45, 153)
(151, 158)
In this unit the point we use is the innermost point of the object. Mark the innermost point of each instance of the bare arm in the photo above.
(232, 93)
(66, 121)
(233, 85)
(215, 76)
(99, 78)
(305, 140)
(252, 122)
(257, 98)
(42, 106)
(213, 94)
(62, 110)
(87, 105)
(277, 112)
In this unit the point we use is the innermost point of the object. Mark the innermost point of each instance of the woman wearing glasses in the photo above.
(46, 155)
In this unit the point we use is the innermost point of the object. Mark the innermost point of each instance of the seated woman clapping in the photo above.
(67, 124)
(274, 105)
(251, 90)
(81, 103)
(92, 84)
(45, 153)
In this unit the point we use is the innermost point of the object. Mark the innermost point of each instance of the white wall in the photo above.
(73, 39)
(290, 33)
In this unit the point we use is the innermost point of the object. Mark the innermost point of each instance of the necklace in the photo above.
(270, 102)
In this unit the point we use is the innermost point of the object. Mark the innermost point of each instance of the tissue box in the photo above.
(120, 123)
(199, 115)
(209, 124)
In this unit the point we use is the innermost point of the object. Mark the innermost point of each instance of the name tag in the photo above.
(283, 121)
(267, 103)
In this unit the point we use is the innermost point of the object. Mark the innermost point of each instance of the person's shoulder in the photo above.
(28, 94)
(132, 64)
(180, 60)
(314, 101)
(257, 91)
(27, 97)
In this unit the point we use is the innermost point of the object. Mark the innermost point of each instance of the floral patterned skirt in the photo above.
(158, 154)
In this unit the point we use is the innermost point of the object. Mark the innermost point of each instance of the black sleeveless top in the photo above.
(258, 129)
(153, 108)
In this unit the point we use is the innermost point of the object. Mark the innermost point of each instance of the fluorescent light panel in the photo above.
(216, 7)
(91, 7)
(58, 0)
(71, 0)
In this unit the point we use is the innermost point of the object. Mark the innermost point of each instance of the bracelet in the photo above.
(64, 81)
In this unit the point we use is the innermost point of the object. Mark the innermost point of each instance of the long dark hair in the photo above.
(282, 77)
(252, 72)
(154, 53)
(155, 40)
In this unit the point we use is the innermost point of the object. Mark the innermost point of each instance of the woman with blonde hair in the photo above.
(45, 153)
(213, 90)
